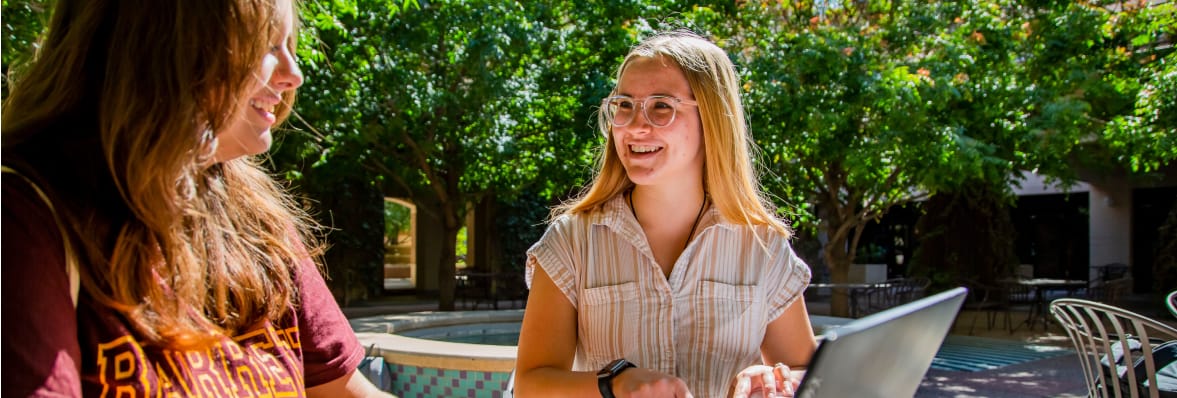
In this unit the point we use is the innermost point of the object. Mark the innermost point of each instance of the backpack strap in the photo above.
(71, 262)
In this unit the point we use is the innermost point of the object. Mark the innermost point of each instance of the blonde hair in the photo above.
(184, 250)
(728, 174)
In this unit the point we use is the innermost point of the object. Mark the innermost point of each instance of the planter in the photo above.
(867, 273)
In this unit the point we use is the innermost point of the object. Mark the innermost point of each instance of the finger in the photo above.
(681, 389)
(769, 382)
(781, 371)
(743, 386)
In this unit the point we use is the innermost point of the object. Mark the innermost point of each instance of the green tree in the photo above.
(982, 103)
(1104, 83)
(452, 103)
(426, 102)
(836, 99)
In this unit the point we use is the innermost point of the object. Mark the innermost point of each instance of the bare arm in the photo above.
(789, 339)
(352, 385)
(547, 345)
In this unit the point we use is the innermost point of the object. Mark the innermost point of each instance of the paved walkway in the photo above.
(1052, 377)
(1058, 377)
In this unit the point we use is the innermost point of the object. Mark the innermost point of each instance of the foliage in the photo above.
(966, 233)
(396, 221)
(857, 106)
(1103, 83)
(836, 98)
(520, 223)
(24, 21)
(453, 102)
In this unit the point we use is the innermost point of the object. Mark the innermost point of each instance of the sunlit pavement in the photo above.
(1052, 377)
(1059, 376)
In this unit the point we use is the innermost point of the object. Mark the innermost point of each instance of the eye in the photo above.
(663, 104)
(623, 104)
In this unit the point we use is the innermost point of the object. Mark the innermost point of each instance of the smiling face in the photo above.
(659, 155)
(248, 132)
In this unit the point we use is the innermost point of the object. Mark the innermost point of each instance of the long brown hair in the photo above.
(728, 173)
(183, 249)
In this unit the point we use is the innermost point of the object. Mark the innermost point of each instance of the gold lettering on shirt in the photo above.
(120, 372)
(264, 362)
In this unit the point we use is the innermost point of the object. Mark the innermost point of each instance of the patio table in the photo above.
(1039, 288)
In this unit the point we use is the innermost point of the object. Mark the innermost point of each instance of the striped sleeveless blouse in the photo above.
(703, 324)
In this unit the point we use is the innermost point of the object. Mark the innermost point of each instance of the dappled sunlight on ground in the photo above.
(1052, 377)
(1057, 376)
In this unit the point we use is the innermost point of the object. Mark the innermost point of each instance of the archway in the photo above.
(400, 245)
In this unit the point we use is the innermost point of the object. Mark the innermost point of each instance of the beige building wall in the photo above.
(1110, 226)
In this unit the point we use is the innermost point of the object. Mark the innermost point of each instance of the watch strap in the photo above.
(605, 376)
(605, 384)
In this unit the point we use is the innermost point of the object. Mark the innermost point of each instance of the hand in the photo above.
(762, 381)
(642, 383)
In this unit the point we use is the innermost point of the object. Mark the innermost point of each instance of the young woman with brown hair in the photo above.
(145, 250)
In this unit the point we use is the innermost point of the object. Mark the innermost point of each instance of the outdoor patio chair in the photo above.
(994, 300)
(474, 288)
(1121, 352)
(1110, 291)
(892, 293)
(512, 288)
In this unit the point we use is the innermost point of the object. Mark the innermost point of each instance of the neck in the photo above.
(673, 204)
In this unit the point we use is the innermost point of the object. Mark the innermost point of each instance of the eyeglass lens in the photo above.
(659, 111)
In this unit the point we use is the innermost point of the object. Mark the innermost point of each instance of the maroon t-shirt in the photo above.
(52, 349)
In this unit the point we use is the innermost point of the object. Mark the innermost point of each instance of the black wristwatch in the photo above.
(606, 374)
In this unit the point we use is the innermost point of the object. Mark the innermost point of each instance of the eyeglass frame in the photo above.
(611, 118)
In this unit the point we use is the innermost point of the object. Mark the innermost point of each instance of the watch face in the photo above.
(613, 368)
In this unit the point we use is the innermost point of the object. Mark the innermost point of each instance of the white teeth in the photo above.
(255, 105)
(643, 148)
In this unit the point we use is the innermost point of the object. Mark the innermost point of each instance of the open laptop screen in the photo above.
(882, 355)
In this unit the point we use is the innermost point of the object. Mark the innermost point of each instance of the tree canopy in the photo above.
(857, 107)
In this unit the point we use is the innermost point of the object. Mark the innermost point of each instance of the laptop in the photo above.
(885, 354)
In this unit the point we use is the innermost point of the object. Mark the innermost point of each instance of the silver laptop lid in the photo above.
(882, 355)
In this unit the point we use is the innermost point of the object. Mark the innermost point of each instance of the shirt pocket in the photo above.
(609, 315)
(731, 314)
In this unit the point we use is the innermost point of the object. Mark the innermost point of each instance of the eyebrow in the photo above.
(652, 95)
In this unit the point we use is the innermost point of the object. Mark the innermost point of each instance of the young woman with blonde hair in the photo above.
(145, 250)
(670, 275)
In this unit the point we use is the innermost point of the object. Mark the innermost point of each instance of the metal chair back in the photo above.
(1106, 340)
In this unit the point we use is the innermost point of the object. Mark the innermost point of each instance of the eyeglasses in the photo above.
(619, 110)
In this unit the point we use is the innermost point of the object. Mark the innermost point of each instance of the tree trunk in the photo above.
(839, 264)
(842, 231)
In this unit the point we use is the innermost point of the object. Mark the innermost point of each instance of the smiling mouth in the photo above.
(261, 107)
(644, 148)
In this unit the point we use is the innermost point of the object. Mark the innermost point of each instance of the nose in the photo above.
(287, 75)
(640, 121)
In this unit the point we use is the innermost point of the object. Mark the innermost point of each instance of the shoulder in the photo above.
(575, 222)
(23, 200)
(755, 234)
